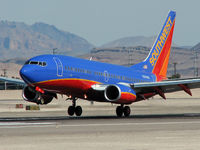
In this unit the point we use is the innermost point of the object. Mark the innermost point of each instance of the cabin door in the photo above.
(59, 66)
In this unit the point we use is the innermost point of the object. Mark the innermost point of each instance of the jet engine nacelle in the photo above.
(31, 95)
(112, 93)
(118, 93)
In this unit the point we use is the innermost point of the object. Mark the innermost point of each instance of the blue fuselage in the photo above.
(69, 75)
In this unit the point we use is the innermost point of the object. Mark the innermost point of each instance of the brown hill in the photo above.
(131, 55)
(125, 56)
(21, 40)
(132, 42)
(196, 47)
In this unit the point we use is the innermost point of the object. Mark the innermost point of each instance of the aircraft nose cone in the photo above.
(25, 73)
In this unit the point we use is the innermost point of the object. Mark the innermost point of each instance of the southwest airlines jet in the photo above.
(48, 75)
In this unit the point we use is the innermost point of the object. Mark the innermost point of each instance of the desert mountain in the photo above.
(132, 55)
(22, 40)
(19, 41)
(196, 47)
(132, 42)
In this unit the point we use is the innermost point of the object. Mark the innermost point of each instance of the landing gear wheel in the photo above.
(126, 111)
(119, 111)
(78, 110)
(71, 110)
(74, 109)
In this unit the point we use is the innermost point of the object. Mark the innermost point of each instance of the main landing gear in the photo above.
(121, 110)
(74, 109)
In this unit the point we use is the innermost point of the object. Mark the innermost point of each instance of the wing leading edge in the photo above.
(11, 80)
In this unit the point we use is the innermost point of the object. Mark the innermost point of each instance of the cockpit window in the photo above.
(44, 63)
(27, 62)
(36, 63)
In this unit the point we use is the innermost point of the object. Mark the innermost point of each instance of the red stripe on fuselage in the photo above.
(66, 86)
(79, 87)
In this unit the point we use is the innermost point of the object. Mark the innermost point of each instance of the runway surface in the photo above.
(59, 118)
(103, 133)
(153, 125)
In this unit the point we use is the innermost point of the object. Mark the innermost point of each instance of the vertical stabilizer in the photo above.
(157, 60)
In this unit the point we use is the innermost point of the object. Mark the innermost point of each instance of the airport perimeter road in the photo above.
(98, 134)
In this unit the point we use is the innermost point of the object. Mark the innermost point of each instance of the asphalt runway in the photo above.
(102, 133)
(155, 124)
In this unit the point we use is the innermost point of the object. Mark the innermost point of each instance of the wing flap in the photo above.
(167, 86)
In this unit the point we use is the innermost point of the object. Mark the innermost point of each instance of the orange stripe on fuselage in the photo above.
(160, 69)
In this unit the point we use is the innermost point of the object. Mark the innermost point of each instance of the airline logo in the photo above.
(160, 42)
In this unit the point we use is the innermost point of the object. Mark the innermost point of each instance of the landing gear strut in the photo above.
(74, 109)
(120, 110)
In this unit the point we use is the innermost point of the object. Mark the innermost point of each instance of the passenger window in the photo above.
(44, 63)
(40, 63)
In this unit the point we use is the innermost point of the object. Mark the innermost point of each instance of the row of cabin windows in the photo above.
(77, 70)
(102, 74)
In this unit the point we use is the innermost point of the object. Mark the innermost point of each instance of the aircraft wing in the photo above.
(12, 80)
(167, 86)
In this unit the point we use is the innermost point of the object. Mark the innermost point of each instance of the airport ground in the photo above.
(154, 124)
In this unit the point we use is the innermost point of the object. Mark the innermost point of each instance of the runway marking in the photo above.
(25, 124)
(128, 124)
(57, 124)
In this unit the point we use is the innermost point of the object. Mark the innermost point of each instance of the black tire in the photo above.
(119, 111)
(71, 110)
(126, 111)
(78, 111)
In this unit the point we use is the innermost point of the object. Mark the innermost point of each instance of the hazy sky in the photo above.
(101, 21)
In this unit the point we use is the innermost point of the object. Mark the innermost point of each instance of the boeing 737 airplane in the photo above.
(48, 75)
